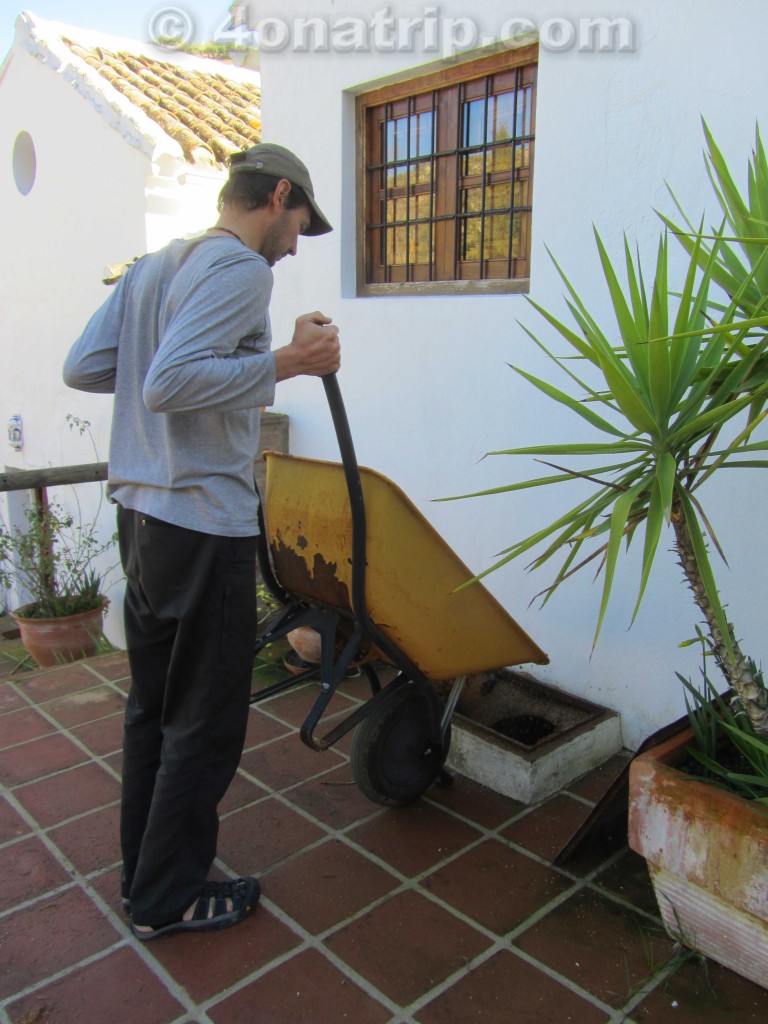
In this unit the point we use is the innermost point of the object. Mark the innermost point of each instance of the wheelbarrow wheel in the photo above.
(393, 757)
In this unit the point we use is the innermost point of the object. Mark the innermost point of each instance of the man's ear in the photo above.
(282, 188)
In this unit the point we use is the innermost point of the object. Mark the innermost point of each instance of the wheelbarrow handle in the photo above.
(359, 535)
(354, 488)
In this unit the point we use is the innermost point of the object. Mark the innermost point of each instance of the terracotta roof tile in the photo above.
(201, 110)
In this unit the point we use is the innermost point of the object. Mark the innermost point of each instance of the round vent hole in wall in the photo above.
(24, 162)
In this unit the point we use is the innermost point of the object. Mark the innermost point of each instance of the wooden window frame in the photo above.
(418, 95)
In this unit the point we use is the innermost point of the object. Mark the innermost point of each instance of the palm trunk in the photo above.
(738, 670)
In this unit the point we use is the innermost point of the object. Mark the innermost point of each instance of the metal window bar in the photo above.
(409, 115)
(432, 188)
(457, 207)
(485, 178)
(512, 175)
(385, 232)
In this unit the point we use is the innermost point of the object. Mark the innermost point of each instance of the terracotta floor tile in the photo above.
(326, 885)
(102, 737)
(476, 802)
(334, 799)
(241, 791)
(69, 793)
(703, 991)
(597, 848)
(257, 837)
(86, 706)
(108, 887)
(12, 825)
(629, 878)
(345, 743)
(118, 988)
(262, 728)
(604, 948)
(407, 946)
(56, 682)
(38, 758)
(49, 936)
(115, 762)
(28, 870)
(294, 706)
(496, 886)
(23, 725)
(10, 699)
(287, 762)
(111, 666)
(413, 839)
(90, 842)
(208, 963)
(546, 829)
(596, 783)
(506, 989)
(307, 989)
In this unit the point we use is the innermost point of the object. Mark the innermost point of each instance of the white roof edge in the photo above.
(42, 40)
(47, 29)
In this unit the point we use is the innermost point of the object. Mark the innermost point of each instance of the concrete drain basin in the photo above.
(526, 739)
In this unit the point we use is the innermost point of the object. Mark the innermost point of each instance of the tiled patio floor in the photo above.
(447, 912)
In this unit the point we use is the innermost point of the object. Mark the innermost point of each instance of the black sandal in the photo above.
(219, 905)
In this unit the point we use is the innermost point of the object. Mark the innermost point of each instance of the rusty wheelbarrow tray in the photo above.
(347, 553)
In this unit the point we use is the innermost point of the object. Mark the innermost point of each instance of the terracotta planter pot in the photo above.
(707, 854)
(68, 638)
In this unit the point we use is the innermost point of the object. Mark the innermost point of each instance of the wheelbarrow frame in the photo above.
(404, 737)
(365, 633)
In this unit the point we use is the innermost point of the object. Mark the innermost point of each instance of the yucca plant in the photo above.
(741, 266)
(713, 721)
(669, 383)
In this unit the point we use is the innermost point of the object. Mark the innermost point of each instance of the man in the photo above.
(184, 344)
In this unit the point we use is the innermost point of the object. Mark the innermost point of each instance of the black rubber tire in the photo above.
(393, 759)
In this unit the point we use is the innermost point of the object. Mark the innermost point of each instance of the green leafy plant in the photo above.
(727, 749)
(741, 265)
(52, 559)
(667, 381)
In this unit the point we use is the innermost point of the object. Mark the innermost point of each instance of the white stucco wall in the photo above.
(96, 199)
(85, 209)
(425, 381)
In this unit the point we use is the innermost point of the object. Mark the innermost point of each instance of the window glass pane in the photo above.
(401, 139)
(522, 194)
(421, 173)
(523, 126)
(520, 230)
(500, 159)
(396, 247)
(420, 251)
(498, 196)
(501, 116)
(474, 123)
(389, 128)
(470, 238)
(523, 156)
(473, 135)
(496, 241)
(471, 200)
(421, 134)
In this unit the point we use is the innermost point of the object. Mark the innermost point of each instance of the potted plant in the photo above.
(52, 561)
(663, 385)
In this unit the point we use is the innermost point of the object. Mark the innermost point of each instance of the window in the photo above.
(447, 170)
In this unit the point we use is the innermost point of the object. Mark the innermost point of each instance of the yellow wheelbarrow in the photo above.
(349, 555)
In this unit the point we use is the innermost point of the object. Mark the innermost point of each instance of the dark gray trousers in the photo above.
(190, 615)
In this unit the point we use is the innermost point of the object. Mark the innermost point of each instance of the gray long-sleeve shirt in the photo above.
(184, 343)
